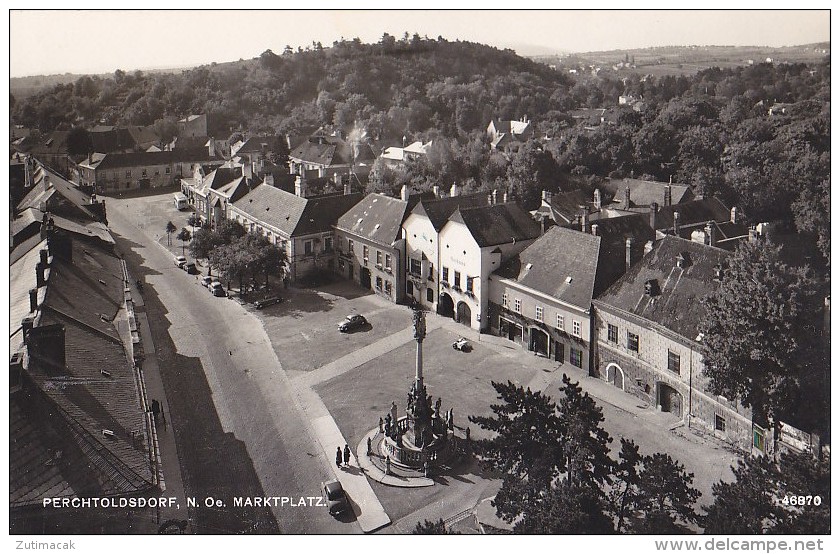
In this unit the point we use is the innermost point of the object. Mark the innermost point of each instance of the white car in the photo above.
(180, 261)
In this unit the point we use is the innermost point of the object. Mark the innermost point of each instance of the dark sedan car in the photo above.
(352, 321)
(336, 497)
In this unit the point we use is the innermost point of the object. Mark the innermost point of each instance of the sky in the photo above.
(100, 41)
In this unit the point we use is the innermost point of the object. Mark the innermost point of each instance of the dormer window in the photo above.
(651, 287)
(718, 273)
(683, 260)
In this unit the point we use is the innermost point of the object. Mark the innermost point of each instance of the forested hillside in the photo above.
(756, 136)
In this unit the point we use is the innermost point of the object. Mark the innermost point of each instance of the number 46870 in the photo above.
(801, 500)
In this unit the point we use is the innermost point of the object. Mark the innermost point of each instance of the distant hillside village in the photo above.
(603, 269)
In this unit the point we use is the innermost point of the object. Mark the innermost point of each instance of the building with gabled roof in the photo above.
(301, 226)
(421, 229)
(503, 134)
(541, 298)
(474, 243)
(647, 329)
(322, 155)
(370, 246)
(78, 419)
(54, 194)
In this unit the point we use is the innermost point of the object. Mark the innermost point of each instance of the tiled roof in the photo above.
(21, 280)
(498, 224)
(292, 214)
(327, 151)
(55, 185)
(139, 159)
(377, 218)
(438, 210)
(644, 193)
(143, 136)
(28, 217)
(614, 232)
(677, 306)
(255, 144)
(218, 178)
(562, 263)
(568, 204)
(113, 140)
(54, 143)
(692, 212)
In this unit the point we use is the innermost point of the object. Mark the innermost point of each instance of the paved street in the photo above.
(237, 428)
(260, 399)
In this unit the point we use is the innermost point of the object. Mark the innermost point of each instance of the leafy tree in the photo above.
(184, 236)
(755, 503)
(760, 331)
(170, 228)
(667, 498)
(166, 129)
(812, 214)
(79, 142)
(194, 220)
(432, 527)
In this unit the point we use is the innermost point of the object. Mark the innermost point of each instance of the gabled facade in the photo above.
(321, 155)
(474, 243)
(503, 134)
(648, 343)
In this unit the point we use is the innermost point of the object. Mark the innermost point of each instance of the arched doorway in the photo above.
(446, 306)
(464, 314)
(670, 400)
(615, 375)
(539, 341)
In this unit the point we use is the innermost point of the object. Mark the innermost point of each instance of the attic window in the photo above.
(683, 260)
(718, 272)
(359, 221)
(529, 266)
(101, 281)
(376, 226)
(568, 279)
(651, 287)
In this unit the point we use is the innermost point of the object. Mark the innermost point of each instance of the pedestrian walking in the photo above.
(155, 409)
(338, 457)
(346, 455)
(380, 424)
(368, 445)
(388, 465)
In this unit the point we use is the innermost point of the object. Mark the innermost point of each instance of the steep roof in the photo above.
(328, 150)
(292, 214)
(112, 140)
(498, 223)
(377, 218)
(562, 263)
(644, 193)
(47, 184)
(692, 213)
(138, 159)
(677, 306)
(614, 232)
(567, 205)
(438, 210)
(218, 178)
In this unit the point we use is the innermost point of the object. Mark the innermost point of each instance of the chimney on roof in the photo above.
(595, 229)
(628, 256)
(596, 200)
(40, 276)
(404, 193)
(668, 194)
(453, 190)
(753, 236)
(627, 198)
(654, 207)
(489, 199)
(44, 254)
(26, 325)
(505, 197)
(648, 247)
(733, 215)
(15, 369)
(348, 187)
(436, 191)
(46, 347)
(300, 186)
(544, 224)
(710, 234)
(495, 193)
(677, 224)
(546, 196)
(33, 300)
(268, 179)
(584, 219)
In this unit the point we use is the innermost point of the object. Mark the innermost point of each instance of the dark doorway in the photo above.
(670, 400)
(539, 342)
(364, 277)
(559, 351)
(350, 271)
(615, 376)
(464, 314)
(144, 184)
(446, 307)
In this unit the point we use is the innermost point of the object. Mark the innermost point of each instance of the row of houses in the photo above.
(79, 422)
(616, 295)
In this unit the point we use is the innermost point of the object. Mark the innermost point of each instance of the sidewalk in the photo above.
(172, 483)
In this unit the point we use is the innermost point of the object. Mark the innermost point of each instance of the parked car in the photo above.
(352, 321)
(190, 268)
(217, 289)
(336, 497)
(260, 304)
(180, 261)
(462, 344)
(206, 281)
